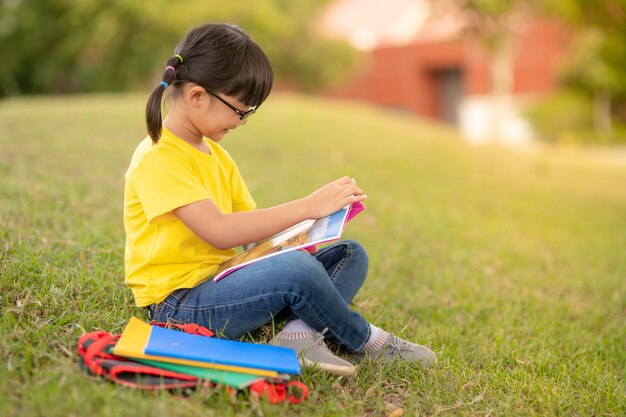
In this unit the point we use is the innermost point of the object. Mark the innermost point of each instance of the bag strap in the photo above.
(136, 375)
(94, 350)
(94, 357)
(276, 393)
(191, 328)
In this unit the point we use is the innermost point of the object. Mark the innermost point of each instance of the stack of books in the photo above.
(227, 362)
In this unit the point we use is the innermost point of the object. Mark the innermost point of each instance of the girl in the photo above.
(186, 207)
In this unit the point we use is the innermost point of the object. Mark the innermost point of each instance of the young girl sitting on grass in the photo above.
(186, 208)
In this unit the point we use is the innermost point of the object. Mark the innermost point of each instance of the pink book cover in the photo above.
(304, 235)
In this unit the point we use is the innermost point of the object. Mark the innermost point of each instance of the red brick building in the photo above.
(434, 69)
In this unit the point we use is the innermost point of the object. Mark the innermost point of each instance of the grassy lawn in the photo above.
(510, 265)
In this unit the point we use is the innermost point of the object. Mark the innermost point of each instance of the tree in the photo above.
(498, 24)
(597, 66)
(285, 29)
(59, 46)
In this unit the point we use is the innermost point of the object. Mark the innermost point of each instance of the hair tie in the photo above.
(169, 67)
(179, 57)
(164, 84)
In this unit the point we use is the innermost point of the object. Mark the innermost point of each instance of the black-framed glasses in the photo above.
(243, 114)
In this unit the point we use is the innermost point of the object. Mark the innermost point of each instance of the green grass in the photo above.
(510, 265)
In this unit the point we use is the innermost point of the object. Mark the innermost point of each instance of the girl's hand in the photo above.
(333, 197)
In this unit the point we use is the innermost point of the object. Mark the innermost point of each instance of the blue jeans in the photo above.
(315, 288)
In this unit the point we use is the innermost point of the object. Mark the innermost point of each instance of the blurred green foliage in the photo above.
(567, 117)
(600, 56)
(591, 106)
(595, 70)
(61, 46)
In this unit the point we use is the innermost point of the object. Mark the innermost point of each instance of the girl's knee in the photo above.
(357, 251)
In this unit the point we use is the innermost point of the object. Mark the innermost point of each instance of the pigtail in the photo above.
(154, 120)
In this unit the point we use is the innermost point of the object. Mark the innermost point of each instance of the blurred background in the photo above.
(506, 258)
(511, 71)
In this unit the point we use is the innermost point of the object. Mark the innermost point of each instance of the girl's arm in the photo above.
(225, 231)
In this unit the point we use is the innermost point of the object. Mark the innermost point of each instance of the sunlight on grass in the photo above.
(510, 264)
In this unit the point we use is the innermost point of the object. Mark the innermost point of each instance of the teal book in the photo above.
(232, 379)
(167, 343)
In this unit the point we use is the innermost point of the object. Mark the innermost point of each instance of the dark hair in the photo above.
(220, 57)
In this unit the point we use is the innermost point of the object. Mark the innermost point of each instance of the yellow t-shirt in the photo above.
(162, 254)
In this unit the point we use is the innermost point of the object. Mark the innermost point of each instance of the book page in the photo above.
(302, 235)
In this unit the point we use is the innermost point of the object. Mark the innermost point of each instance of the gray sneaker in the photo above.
(395, 348)
(313, 352)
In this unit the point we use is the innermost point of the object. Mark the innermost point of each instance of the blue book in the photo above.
(136, 335)
(174, 344)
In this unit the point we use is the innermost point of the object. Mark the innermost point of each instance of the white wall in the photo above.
(483, 119)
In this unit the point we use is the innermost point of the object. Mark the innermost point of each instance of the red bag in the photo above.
(95, 359)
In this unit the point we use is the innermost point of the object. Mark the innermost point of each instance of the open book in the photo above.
(306, 234)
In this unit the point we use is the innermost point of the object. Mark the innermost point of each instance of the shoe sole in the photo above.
(335, 369)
